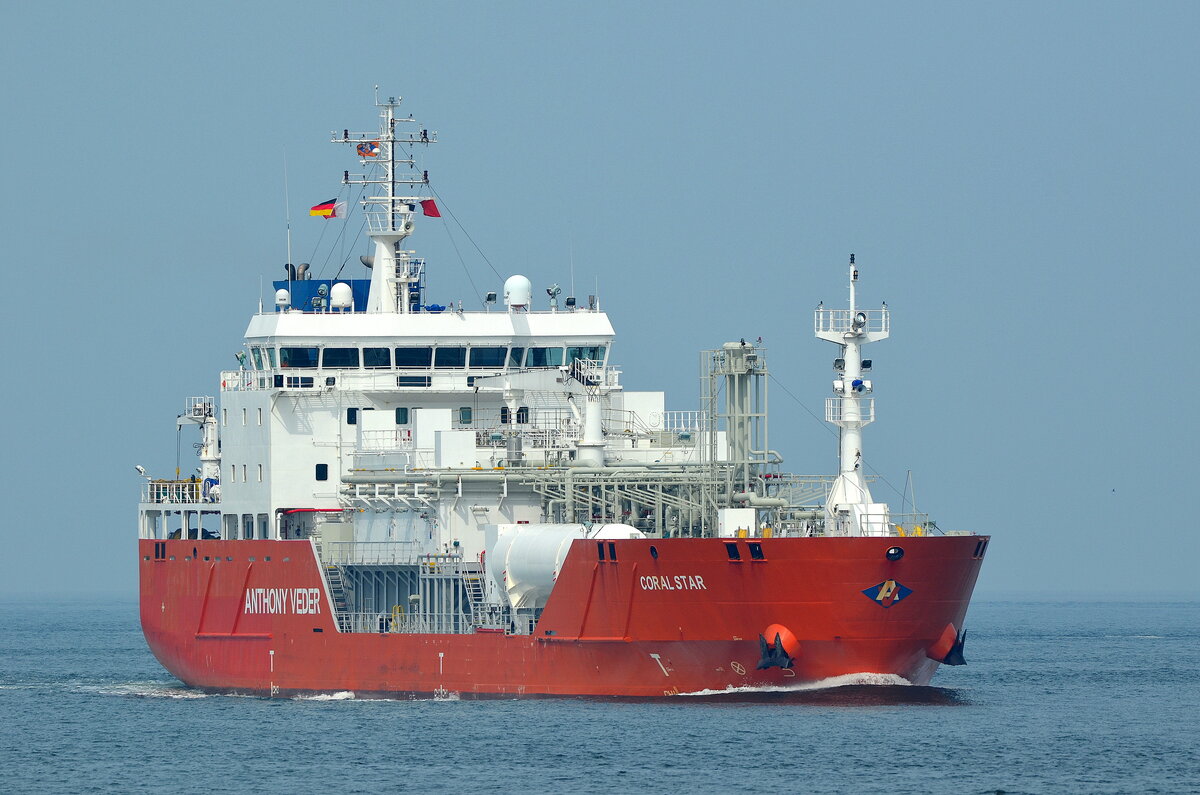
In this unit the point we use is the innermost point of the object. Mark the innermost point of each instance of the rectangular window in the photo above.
(224, 416)
(258, 360)
(377, 358)
(297, 357)
(231, 525)
(340, 357)
(233, 473)
(487, 357)
(263, 527)
(352, 416)
(523, 415)
(450, 357)
(260, 416)
(260, 473)
(243, 416)
(505, 414)
(414, 357)
(593, 352)
(515, 355)
(244, 473)
(247, 525)
(402, 416)
(271, 357)
(464, 415)
(413, 380)
(322, 471)
(544, 357)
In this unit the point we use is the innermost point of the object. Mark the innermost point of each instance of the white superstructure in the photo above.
(393, 432)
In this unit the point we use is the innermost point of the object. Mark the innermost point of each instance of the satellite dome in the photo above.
(341, 297)
(518, 292)
(283, 298)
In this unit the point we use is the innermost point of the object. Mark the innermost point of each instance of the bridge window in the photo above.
(377, 358)
(464, 415)
(592, 352)
(487, 357)
(544, 357)
(450, 357)
(270, 356)
(352, 416)
(414, 357)
(297, 357)
(340, 357)
(257, 354)
(515, 356)
(322, 471)
(402, 416)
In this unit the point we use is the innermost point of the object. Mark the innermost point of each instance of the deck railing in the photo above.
(178, 491)
(367, 553)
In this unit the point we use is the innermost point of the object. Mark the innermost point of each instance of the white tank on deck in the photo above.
(526, 558)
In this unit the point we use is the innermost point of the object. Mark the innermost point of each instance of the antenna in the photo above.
(287, 212)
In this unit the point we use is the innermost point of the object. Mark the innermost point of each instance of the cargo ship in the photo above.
(399, 498)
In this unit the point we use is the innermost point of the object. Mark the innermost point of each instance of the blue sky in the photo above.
(1019, 182)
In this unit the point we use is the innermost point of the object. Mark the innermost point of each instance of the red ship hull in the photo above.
(666, 617)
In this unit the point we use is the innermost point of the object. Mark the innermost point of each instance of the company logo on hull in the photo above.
(887, 593)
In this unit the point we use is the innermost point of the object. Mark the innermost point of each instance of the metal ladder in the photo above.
(337, 592)
(473, 582)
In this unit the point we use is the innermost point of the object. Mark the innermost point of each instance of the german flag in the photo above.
(326, 209)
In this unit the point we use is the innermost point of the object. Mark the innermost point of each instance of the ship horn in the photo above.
(773, 654)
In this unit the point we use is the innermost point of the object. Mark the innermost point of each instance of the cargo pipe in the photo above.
(756, 501)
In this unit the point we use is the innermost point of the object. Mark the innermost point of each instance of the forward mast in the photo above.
(850, 509)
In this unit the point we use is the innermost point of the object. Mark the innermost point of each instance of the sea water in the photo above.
(1057, 697)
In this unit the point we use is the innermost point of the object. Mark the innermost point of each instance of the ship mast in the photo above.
(849, 508)
(396, 274)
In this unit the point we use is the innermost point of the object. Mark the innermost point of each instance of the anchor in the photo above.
(773, 654)
(955, 655)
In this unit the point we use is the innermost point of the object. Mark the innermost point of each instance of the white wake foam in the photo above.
(844, 680)
(144, 690)
(341, 695)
